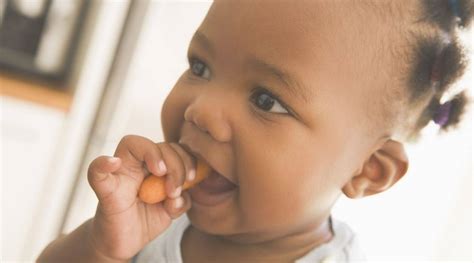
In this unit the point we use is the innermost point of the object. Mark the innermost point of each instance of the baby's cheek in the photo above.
(172, 115)
(275, 202)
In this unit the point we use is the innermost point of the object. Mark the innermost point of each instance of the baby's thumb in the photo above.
(100, 175)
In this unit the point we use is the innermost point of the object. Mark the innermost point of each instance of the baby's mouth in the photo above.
(216, 171)
(213, 190)
(215, 183)
(216, 188)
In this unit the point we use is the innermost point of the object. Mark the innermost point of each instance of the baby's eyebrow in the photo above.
(292, 84)
(204, 42)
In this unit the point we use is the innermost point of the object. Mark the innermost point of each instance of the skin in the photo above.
(291, 157)
(290, 166)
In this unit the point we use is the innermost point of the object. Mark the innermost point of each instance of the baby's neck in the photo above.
(197, 246)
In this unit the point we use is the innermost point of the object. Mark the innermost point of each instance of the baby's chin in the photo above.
(228, 230)
(214, 202)
(220, 218)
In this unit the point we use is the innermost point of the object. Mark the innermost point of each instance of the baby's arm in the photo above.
(75, 247)
(123, 224)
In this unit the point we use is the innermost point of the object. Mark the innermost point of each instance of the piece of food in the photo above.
(153, 189)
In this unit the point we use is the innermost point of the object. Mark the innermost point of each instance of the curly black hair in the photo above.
(439, 61)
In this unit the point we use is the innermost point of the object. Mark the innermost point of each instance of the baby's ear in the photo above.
(384, 168)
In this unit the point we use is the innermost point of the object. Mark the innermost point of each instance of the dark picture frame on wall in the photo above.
(39, 38)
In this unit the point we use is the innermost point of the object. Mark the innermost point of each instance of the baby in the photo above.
(291, 103)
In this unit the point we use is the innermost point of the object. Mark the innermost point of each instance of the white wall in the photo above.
(426, 216)
(28, 143)
(42, 147)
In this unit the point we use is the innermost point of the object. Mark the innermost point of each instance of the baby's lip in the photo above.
(198, 155)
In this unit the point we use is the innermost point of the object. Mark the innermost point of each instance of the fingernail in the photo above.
(113, 159)
(191, 175)
(177, 192)
(178, 203)
(162, 167)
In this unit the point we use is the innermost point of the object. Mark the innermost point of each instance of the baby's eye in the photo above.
(266, 101)
(199, 69)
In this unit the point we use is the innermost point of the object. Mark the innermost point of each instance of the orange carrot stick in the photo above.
(153, 190)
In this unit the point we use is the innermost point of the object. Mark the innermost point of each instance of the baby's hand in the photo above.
(123, 224)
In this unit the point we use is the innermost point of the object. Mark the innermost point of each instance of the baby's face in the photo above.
(276, 99)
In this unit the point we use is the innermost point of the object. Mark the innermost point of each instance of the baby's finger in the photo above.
(142, 149)
(188, 160)
(154, 161)
(176, 170)
(177, 206)
(100, 175)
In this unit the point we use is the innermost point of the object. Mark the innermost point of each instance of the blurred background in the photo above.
(77, 75)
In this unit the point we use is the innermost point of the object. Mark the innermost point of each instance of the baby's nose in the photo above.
(209, 116)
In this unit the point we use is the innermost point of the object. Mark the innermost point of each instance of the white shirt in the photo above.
(166, 248)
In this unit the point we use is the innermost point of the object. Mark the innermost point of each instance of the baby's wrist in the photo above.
(93, 242)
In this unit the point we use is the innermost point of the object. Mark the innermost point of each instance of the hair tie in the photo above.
(441, 116)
